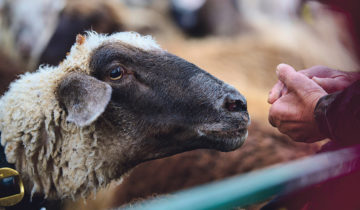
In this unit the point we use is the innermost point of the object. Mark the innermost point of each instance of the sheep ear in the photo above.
(84, 97)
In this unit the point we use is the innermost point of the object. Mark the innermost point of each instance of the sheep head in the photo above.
(120, 100)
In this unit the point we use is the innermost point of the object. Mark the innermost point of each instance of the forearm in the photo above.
(338, 115)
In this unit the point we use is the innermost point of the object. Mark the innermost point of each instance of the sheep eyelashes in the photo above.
(114, 102)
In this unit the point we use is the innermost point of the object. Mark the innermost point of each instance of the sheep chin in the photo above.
(224, 141)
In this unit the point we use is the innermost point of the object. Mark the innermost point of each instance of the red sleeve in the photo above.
(338, 115)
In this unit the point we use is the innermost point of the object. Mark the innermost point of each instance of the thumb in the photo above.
(286, 74)
(292, 79)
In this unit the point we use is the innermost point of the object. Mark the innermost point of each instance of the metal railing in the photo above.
(260, 185)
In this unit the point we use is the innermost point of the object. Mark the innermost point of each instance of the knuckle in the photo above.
(273, 121)
(298, 137)
(283, 129)
(295, 137)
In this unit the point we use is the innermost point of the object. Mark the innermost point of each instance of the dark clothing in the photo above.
(338, 115)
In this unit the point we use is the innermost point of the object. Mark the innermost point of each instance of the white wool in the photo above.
(37, 137)
(93, 40)
(80, 52)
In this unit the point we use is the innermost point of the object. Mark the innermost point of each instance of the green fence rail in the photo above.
(260, 185)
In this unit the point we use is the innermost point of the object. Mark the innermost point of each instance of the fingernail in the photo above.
(271, 98)
(281, 65)
(316, 79)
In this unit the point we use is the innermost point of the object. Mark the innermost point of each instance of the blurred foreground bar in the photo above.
(262, 184)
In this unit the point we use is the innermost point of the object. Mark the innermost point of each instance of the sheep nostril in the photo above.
(235, 105)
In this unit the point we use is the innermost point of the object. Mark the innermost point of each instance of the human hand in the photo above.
(329, 79)
(292, 110)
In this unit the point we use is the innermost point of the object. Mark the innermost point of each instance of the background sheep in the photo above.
(57, 24)
(119, 95)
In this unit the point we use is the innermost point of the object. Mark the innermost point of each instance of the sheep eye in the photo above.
(116, 73)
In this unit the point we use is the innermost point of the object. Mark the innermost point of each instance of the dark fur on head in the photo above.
(164, 103)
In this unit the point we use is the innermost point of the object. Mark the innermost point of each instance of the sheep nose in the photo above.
(235, 103)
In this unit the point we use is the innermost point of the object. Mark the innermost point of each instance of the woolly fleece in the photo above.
(35, 131)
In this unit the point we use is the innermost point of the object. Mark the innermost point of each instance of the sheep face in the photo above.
(161, 103)
(119, 100)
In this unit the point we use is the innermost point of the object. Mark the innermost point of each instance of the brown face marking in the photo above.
(80, 39)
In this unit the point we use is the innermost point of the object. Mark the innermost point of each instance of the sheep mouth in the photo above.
(224, 140)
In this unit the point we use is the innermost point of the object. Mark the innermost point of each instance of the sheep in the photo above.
(49, 28)
(202, 18)
(8, 72)
(78, 16)
(114, 102)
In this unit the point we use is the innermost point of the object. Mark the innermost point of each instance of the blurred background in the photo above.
(238, 41)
